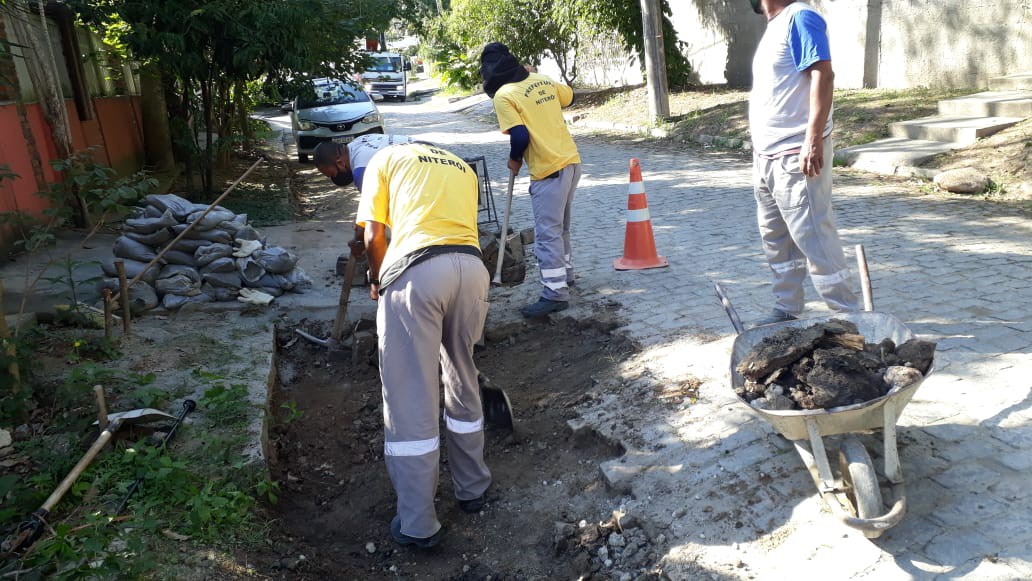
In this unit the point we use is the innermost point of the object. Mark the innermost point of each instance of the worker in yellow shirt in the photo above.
(529, 109)
(432, 286)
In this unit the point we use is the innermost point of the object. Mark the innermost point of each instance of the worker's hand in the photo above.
(811, 157)
(357, 248)
(374, 291)
(514, 166)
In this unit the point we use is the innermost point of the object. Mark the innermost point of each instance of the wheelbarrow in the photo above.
(855, 496)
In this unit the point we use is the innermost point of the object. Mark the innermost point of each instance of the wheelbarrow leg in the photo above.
(820, 457)
(893, 470)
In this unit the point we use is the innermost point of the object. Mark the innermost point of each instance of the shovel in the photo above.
(495, 404)
(29, 531)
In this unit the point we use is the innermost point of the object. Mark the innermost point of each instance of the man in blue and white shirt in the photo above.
(790, 119)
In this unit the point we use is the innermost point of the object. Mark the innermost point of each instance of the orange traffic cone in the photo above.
(639, 245)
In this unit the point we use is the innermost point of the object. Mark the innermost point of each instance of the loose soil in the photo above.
(548, 513)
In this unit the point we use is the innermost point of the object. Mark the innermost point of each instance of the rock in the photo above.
(1024, 191)
(917, 353)
(370, 548)
(899, 376)
(5, 438)
(965, 180)
(616, 540)
(564, 529)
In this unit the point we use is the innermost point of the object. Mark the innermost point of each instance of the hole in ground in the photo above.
(336, 500)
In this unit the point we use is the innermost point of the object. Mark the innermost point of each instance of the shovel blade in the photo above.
(496, 406)
(140, 416)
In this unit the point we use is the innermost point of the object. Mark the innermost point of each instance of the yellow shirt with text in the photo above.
(426, 196)
(537, 102)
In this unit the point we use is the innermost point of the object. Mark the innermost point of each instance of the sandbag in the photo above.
(203, 207)
(235, 224)
(180, 207)
(156, 238)
(207, 254)
(190, 245)
(173, 302)
(174, 269)
(216, 235)
(210, 220)
(224, 264)
(180, 257)
(132, 268)
(149, 225)
(223, 279)
(275, 281)
(277, 260)
(141, 295)
(299, 280)
(247, 233)
(271, 290)
(219, 293)
(133, 250)
(250, 270)
(149, 212)
(178, 284)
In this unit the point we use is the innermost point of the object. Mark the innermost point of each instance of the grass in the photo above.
(861, 115)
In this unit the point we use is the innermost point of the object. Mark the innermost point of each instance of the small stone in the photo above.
(617, 540)
(5, 438)
(661, 539)
(608, 563)
(964, 180)
(603, 553)
(899, 376)
(370, 548)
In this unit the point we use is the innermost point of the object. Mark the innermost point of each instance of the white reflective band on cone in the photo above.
(638, 215)
(636, 188)
(411, 448)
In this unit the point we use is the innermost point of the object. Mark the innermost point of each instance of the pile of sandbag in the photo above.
(222, 258)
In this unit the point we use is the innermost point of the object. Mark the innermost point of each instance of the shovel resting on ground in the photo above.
(30, 530)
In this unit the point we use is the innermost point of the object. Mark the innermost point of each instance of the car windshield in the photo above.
(323, 93)
(384, 64)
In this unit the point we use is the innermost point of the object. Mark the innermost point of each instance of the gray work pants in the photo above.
(428, 320)
(798, 232)
(551, 200)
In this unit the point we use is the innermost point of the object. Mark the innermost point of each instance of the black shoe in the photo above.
(775, 316)
(543, 307)
(473, 505)
(403, 539)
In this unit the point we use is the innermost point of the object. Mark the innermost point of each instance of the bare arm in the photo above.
(376, 247)
(822, 86)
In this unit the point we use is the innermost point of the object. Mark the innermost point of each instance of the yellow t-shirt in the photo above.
(426, 196)
(537, 102)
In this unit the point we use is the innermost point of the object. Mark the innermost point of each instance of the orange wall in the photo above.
(116, 133)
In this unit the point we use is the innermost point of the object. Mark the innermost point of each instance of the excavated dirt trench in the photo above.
(545, 504)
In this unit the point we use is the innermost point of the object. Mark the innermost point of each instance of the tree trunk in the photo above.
(208, 155)
(157, 136)
(30, 141)
(245, 124)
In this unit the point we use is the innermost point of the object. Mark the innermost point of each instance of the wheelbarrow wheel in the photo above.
(861, 481)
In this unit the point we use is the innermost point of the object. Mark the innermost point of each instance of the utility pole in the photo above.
(655, 61)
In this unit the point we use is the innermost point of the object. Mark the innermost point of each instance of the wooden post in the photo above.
(865, 278)
(107, 312)
(102, 415)
(655, 61)
(123, 294)
(9, 348)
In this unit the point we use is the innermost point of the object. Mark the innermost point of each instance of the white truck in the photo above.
(387, 75)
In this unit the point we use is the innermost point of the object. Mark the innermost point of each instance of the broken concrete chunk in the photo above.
(964, 180)
(900, 376)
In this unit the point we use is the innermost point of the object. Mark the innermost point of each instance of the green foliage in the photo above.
(225, 405)
(98, 185)
(291, 413)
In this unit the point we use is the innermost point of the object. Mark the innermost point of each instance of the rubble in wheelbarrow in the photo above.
(222, 258)
(828, 365)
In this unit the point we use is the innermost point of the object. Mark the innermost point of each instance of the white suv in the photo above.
(332, 110)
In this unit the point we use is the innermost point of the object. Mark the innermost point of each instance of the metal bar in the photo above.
(893, 470)
(729, 309)
(865, 278)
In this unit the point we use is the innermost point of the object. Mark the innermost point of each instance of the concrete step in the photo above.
(989, 104)
(1015, 82)
(885, 155)
(962, 130)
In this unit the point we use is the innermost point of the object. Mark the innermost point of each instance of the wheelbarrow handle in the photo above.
(729, 309)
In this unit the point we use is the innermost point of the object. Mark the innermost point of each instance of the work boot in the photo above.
(775, 316)
(420, 542)
(473, 505)
(543, 307)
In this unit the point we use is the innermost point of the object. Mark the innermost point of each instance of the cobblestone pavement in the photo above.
(730, 498)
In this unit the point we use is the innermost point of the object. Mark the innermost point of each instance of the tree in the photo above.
(624, 16)
(213, 51)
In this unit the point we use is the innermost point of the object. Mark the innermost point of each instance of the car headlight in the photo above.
(372, 118)
(305, 125)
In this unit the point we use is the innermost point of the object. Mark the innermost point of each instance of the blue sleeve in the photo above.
(357, 174)
(519, 139)
(808, 37)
